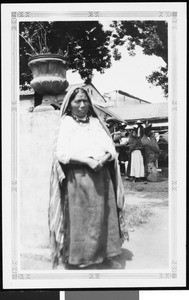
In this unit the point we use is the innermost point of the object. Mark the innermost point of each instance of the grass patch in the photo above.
(136, 215)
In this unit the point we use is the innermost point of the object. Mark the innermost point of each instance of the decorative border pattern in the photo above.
(98, 14)
(170, 275)
(16, 16)
(93, 14)
(14, 215)
(174, 20)
(174, 185)
(14, 269)
(173, 142)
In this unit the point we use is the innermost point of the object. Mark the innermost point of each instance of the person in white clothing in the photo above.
(137, 171)
(88, 233)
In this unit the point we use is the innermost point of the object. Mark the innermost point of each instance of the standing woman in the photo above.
(86, 189)
(136, 158)
(151, 155)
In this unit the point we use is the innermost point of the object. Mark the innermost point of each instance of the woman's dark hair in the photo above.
(135, 130)
(72, 97)
(147, 130)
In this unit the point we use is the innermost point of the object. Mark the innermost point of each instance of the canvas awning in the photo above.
(155, 113)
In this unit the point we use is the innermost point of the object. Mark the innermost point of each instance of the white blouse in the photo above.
(88, 140)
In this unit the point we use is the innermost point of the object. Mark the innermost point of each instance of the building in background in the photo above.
(120, 98)
(117, 104)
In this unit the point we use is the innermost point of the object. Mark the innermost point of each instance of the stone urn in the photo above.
(49, 74)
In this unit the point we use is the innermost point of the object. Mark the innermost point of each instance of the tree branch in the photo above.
(28, 43)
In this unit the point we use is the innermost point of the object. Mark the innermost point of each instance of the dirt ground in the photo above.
(147, 247)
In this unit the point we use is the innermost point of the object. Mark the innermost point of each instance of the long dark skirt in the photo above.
(91, 217)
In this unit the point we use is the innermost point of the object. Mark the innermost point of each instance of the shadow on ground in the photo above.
(37, 261)
(121, 260)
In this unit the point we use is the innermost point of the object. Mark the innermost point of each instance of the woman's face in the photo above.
(134, 133)
(80, 105)
(122, 133)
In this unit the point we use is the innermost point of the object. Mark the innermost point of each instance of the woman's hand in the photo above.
(103, 159)
(94, 164)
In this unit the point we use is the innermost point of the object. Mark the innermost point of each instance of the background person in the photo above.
(140, 128)
(136, 158)
(151, 154)
(121, 149)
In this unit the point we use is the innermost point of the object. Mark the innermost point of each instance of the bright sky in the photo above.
(129, 75)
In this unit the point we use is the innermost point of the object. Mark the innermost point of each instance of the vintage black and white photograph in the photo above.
(94, 112)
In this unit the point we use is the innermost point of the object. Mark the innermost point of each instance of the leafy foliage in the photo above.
(88, 47)
(84, 43)
(160, 78)
(151, 36)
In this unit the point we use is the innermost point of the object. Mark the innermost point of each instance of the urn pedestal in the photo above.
(49, 74)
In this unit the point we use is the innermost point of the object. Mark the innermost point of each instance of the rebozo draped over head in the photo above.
(92, 110)
(94, 113)
(68, 98)
(56, 204)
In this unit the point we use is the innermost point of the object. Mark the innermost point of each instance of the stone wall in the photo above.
(37, 131)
